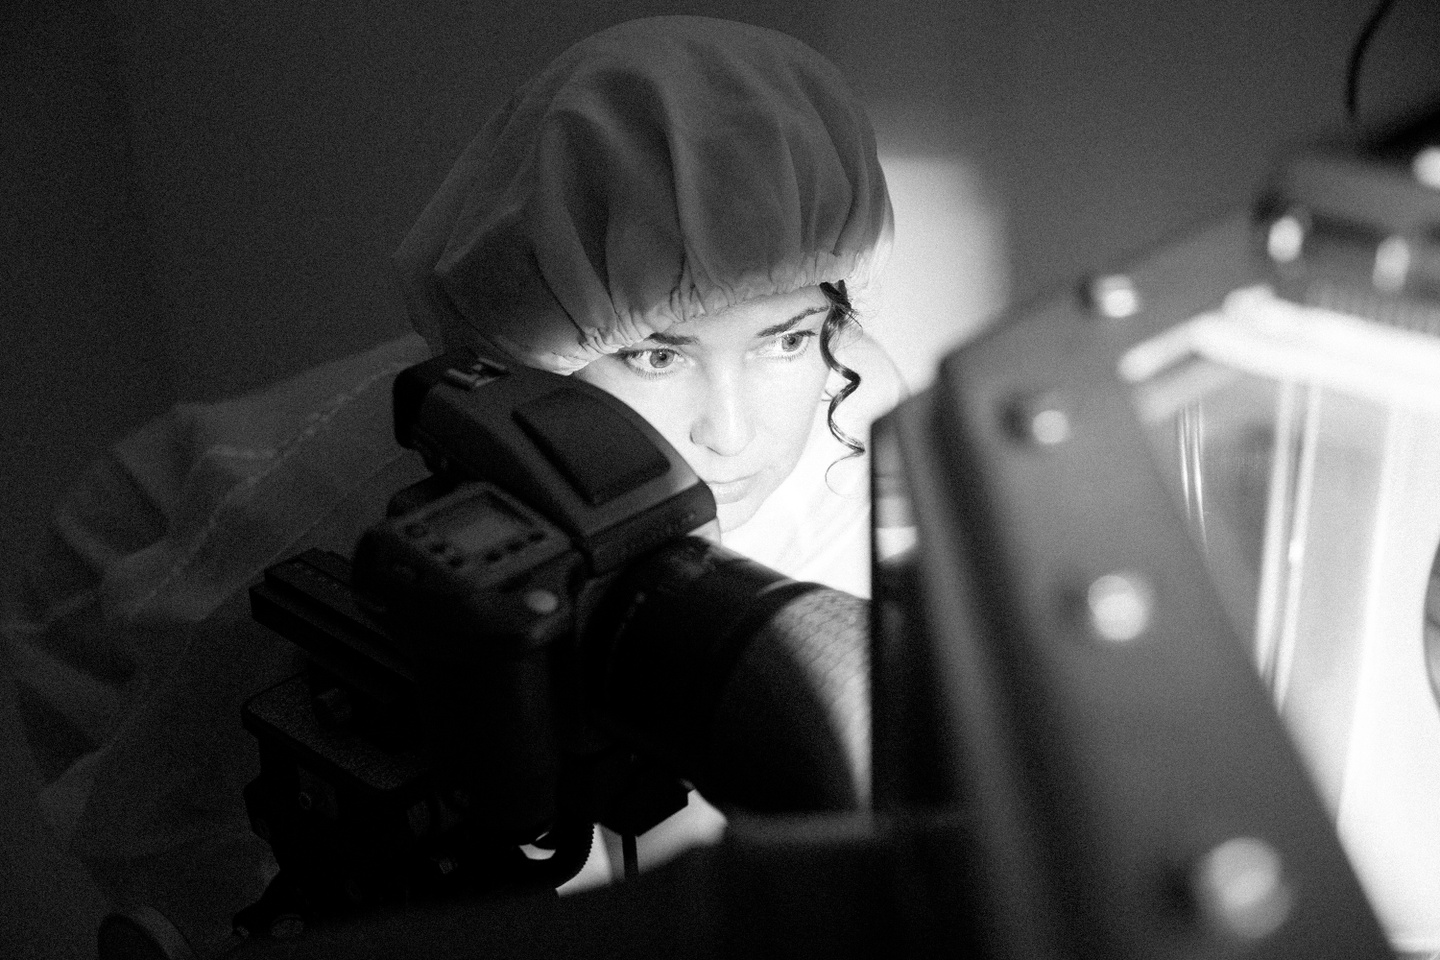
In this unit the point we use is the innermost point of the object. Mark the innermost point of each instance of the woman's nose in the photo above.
(724, 424)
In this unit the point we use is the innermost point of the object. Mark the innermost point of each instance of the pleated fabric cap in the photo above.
(661, 170)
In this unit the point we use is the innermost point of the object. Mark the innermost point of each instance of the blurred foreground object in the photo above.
(1285, 374)
(1299, 424)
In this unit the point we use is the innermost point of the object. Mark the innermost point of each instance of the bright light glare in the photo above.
(948, 272)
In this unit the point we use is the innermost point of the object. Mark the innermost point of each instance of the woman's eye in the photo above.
(651, 362)
(790, 345)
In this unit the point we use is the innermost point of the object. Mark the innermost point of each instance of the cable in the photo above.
(1357, 54)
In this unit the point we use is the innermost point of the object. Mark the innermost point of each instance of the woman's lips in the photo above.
(731, 491)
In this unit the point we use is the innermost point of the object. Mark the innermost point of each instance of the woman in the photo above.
(677, 210)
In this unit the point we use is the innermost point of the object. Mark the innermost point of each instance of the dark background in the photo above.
(198, 197)
(201, 197)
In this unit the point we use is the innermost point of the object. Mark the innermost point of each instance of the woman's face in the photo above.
(735, 392)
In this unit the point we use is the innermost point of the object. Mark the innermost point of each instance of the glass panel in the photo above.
(1303, 447)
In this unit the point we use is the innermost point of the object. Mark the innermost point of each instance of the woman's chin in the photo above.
(733, 515)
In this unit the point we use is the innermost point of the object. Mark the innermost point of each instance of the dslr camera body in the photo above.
(528, 645)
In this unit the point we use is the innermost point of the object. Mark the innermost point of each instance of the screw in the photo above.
(1113, 295)
(1240, 887)
(1120, 606)
(1041, 419)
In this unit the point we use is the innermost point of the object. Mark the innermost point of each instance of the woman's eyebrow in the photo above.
(779, 328)
(683, 339)
(668, 339)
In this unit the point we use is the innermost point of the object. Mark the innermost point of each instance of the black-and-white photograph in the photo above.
(826, 479)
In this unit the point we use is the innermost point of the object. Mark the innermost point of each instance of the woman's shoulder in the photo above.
(248, 471)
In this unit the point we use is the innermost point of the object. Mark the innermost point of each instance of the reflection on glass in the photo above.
(1303, 447)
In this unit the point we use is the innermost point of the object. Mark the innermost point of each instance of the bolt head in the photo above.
(1241, 889)
(1120, 606)
(1285, 240)
(1039, 419)
(1113, 295)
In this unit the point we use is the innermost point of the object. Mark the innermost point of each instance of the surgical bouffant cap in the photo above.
(658, 171)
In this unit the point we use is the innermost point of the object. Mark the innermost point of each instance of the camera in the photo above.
(529, 644)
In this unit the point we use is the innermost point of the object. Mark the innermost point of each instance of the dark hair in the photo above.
(840, 318)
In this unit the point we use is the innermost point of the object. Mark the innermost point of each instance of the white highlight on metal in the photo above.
(1274, 562)
(1121, 605)
(1392, 265)
(1050, 426)
(1115, 296)
(1285, 239)
(1240, 887)
(1426, 167)
(1293, 563)
(1190, 437)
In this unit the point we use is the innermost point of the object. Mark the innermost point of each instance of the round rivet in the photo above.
(542, 602)
(1285, 239)
(1113, 295)
(1240, 888)
(1041, 419)
(1120, 606)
